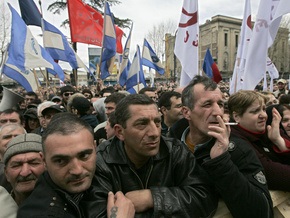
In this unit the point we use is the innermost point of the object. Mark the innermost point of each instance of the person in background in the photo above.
(56, 99)
(110, 132)
(171, 108)
(87, 93)
(11, 116)
(66, 92)
(282, 88)
(248, 109)
(81, 107)
(31, 120)
(232, 166)
(23, 165)
(69, 153)
(159, 175)
(29, 97)
(151, 92)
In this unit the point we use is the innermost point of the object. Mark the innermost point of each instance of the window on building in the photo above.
(226, 39)
(237, 41)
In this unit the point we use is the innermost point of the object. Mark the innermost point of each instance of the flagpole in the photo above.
(35, 77)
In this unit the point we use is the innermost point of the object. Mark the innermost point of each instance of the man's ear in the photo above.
(236, 117)
(163, 110)
(186, 112)
(119, 131)
(42, 157)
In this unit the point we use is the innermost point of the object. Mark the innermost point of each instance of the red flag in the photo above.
(86, 25)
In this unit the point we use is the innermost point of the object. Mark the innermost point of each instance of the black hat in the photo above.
(81, 104)
(55, 107)
(31, 113)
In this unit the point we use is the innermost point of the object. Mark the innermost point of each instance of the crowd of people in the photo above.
(165, 152)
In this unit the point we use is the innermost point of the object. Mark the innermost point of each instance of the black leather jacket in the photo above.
(176, 182)
(238, 177)
(48, 200)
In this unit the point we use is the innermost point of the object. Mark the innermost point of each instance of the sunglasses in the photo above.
(68, 93)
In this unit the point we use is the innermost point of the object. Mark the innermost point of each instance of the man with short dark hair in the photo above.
(30, 97)
(64, 189)
(66, 92)
(151, 92)
(159, 175)
(233, 169)
(171, 108)
(11, 116)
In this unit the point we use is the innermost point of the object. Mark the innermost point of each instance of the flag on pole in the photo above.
(59, 48)
(186, 42)
(86, 25)
(136, 75)
(210, 68)
(150, 59)
(125, 64)
(109, 44)
(29, 12)
(24, 52)
(256, 63)
(245, 36)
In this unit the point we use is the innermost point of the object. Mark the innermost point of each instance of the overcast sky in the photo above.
(147, 13)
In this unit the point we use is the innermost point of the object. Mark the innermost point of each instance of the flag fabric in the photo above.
(210, 68)
(109, 44)
(150, 59)
(59, 48)
(245, 36)
(136, 75)
(186, 42)
(125, 64)
(86, 25)
(29, 12)
(24, 52)
(261, 39)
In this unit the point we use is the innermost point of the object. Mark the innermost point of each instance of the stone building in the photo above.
(221, 36)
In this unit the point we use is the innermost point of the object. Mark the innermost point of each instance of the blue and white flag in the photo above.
(59, 48)
(136, 78)
(125, 64)
(109, 44)
(150, 59)
(24, 52)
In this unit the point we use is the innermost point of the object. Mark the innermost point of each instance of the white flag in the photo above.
(186, 42)
(245, 36)
(262, 38)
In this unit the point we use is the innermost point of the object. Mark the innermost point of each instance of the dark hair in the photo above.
(109, 89)
(112, 119)
(67, 88)
(10, 111)
(188, 94)
(122, 111)
(165, 97)
(65, 124)
(147, 89)
(32, 94)
(115, 98)
(87, 91)
(284, 99)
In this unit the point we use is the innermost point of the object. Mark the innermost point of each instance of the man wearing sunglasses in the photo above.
(66, 92)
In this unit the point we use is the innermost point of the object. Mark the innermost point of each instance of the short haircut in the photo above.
(240, 101)
(32, 94)
(112, 119)
(65, 124)
(109, 89)
(122, 112)
(188, 93)
(11, 111)
(165, 99)
(114, 98)
(147, 89)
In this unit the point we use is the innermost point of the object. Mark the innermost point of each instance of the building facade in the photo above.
(221, 35)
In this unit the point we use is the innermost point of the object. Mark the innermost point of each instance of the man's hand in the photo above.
(222, 133)
(142, 199)
(119, 206)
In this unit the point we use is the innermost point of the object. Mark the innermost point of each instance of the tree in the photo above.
(156, 36)
(5, 25)
(59, 5)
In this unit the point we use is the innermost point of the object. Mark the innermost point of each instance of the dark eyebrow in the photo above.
(62, 156)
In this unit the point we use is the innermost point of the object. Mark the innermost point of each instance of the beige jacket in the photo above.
(8, 206)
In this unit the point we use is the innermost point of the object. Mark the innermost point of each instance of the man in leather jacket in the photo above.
(159, 175)
(63, 191)
(233, 168)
